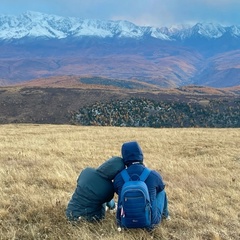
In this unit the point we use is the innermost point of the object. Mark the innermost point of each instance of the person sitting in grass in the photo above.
(133, 159)
(94, 191)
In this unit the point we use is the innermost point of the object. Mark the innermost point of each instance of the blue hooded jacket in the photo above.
(131, 152)
(94, 187)
(133, 157)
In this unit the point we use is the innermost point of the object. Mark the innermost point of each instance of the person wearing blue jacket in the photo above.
(94, 191)
(133, 159)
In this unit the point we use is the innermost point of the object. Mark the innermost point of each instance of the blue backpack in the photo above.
(134, 202)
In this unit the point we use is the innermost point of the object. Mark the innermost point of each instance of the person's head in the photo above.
(132, 153)
(110, 168)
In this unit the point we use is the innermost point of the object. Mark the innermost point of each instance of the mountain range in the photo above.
(35, 45)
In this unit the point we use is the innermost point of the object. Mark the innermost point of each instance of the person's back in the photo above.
(91, 192)
(133, 158)
(94, 188)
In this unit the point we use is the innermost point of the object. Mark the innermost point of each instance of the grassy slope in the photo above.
(39, 165)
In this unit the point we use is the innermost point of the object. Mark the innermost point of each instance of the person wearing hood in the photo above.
(94, 191)
(133, 159)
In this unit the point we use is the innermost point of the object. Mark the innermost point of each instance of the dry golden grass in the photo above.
(39, 165)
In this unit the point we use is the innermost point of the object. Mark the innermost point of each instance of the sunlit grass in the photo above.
(39, 165)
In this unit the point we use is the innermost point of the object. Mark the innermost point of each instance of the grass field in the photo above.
(39, 165)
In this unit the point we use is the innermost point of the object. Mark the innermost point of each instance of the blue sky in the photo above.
(156, 13)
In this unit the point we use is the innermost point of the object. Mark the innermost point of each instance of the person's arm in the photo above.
(160, 185)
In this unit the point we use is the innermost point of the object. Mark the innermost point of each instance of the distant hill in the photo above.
(58, 103)
(35, 45)
(87, 82)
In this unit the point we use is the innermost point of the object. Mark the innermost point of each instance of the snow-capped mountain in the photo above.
(34, 24)
(34, 45)
(204, 30)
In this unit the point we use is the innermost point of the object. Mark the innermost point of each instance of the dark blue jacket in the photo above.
(154, 181)
(94, 187)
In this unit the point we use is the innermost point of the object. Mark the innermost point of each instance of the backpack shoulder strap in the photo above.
(145, 174)
(125, 175)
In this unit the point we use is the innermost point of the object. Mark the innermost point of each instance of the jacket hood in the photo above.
(111, 167)
(131, 152)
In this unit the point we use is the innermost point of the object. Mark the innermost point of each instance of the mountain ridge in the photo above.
(36, 45)
(36, 24)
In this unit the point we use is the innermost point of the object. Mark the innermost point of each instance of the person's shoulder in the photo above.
(154, 173)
